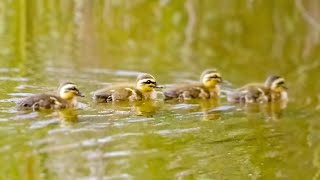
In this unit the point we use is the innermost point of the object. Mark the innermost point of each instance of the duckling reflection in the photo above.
(252, 110)
(208, 108)
(273, 111)
(146, 108)
(316, 161)
(68, 115)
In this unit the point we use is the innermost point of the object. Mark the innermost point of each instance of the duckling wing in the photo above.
(38, 101)
(249, 91)
(248, 86)
(183, 92)
(234, 96)
(172, 93)
(102, 95)
(113, 94)
(237, 95)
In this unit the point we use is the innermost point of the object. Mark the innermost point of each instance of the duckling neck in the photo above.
(282, 96)
(214, 90)
(149, 94)
(71, 102)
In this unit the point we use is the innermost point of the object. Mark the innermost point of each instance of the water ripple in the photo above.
(117, 72)
(175, 131)
(23, 116)
(127, 153)
(87, 142)
(43, 123)
(19, 79)
(222, 108)
(140, 120)
(4, 70)
(185, 106)
(119, 176)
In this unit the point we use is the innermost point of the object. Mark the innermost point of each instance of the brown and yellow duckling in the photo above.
(66, 98)
(207, 88)
(274, 89)
(143, 90)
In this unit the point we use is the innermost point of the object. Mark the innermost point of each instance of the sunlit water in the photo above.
(97, 44)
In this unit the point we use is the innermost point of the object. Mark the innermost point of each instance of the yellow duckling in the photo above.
(274, 89)
(206, 89)
(66, 98)
(143, 90)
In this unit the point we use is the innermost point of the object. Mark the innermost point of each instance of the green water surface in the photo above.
(95, 43)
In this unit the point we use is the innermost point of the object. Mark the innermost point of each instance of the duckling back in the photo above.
(192, 91)
(250, 93)
(42, 101)
(120, 93)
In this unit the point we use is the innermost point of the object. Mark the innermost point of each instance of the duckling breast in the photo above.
(152, 95)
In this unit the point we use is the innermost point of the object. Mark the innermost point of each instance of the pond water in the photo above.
(97, 43)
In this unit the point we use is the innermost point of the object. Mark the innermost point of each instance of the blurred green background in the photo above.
(97, 42)
(166, 37)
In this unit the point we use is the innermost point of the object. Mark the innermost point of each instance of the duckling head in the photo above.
(210, 78)
(276, 84)
(146, 83)
(69, 90)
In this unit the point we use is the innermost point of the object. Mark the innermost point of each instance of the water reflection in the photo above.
(68, 115)
(146, 108)
(274, 110)
(271, 111)
(207, 107)
(204, 109)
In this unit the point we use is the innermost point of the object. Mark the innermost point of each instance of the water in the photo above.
(95, 43)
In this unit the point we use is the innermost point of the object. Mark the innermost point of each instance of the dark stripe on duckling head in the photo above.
(149, 81)
(273, 79)
(64, 84)
(211, 76)
(75, 90)
(72, 89)
(144, 82)
(144, 76)
(69, 87)
(208, 71)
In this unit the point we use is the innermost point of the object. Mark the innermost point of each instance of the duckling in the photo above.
(66, 98)
(143, 90)
(274, 89)
(207, 88)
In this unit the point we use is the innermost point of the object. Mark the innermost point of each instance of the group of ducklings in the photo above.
(273, 89)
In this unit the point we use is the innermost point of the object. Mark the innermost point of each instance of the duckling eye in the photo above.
(214, 76)
(72, 89)
(149, 82)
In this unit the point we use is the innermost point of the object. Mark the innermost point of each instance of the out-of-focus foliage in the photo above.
(261, 35)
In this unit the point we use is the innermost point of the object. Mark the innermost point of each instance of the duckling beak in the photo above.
(285, 87)
(225, 83)
(158, 87)
(80, 94)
